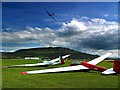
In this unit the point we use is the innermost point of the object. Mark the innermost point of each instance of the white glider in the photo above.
(45, 63)
(83, 66)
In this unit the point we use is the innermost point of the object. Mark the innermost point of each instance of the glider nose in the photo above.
(23, 72)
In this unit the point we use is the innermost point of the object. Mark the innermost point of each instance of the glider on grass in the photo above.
(114, 70)
(90, 65)
(56, 61)
(51, 15)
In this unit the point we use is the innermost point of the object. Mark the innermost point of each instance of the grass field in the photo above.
(11, 77)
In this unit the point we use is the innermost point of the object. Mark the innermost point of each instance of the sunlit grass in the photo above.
(12, 77)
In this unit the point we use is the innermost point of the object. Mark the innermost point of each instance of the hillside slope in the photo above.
(49, 52)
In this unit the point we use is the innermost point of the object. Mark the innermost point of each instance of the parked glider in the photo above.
(45, 63)
(51, 15)
(84, 66)
(114, 70)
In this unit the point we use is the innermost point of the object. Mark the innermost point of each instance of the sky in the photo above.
(90, 27)
(60, 1)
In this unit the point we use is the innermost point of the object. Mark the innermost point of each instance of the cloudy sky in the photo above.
(90, 27)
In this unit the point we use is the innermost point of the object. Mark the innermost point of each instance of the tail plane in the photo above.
(114, 70)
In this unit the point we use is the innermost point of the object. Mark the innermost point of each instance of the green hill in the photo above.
(49, 52)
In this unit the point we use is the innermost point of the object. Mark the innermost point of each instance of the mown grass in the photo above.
(13, 79)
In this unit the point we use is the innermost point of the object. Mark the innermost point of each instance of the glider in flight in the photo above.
(90, 65)
(45, 63)
(51, 15)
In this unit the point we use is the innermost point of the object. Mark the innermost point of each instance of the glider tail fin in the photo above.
(116, 66)
(114, 70)
(61, 60)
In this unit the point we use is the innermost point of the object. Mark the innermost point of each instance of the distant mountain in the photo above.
(49, 52)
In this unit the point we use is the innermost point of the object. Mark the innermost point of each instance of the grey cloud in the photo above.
(80, 35)
(99, 42)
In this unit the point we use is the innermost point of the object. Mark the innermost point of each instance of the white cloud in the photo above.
(116, 15)
(106, 15)
(85, 18)
(102, 52)
(91, 34)
(78, 26)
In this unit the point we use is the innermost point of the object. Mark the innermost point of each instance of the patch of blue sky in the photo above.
(23, 14)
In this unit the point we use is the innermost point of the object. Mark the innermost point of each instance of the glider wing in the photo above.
(99, 59)
(30, 65)
(63, 57)
(61, 69)
(69, 68)
(53, 18)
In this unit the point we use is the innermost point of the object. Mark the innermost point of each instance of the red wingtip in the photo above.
(23, 72)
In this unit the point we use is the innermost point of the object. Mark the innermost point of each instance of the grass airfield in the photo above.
(12, 77)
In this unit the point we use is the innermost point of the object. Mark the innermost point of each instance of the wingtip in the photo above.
(23, 72)
(69, 54)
